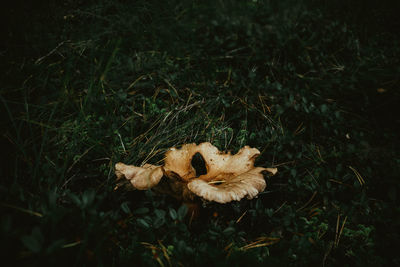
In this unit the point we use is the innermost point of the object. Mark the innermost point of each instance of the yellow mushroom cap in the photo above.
(228, 178)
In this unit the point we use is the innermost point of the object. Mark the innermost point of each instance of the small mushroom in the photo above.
(223, 178)
(141, 178)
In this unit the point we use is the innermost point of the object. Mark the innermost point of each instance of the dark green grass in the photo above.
(312, 85)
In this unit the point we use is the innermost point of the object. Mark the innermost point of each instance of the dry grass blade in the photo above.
(151, 154)
(134, 82)
(280, 207)
(229, 249)
(314, 212)
(79, 158)
(341, 230)
(338, 232)
(241, 217)
(122, 142)
(337, 229)
(154, 250)
(165, 252)
(172, 87)
(319, 154)
(38, 61)
(341, 183)
(284, 163)
(73, 244)
(308, 202)
(37, 214)
(228, 246)
(261, 242)
(358, 175)
(263, 105)
(299, 129)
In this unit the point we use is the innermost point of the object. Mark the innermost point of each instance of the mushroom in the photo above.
(141, 178)
(229, 177)
(223, 178)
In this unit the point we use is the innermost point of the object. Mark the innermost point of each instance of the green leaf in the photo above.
(88, 198)
(34, 242)
(229, 231)
(55, 245)
(143, 223)
(173, 214)
(31, 243)
(125, 208)
(52, 199)
(141, 211)
(75, 199)
(158, 222)
(182, 212)
(159, 213)
(324, 108)
(170, 249)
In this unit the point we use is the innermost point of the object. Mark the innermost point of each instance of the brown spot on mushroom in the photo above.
(199, 164)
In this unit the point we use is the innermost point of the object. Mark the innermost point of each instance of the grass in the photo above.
(312, 85)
